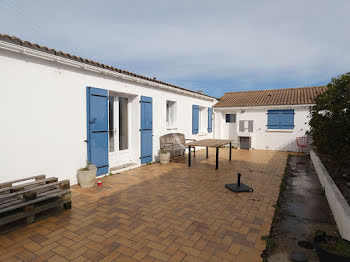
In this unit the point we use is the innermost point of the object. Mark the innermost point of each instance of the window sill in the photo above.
(171, 128)
(280, 130)
(245, 134)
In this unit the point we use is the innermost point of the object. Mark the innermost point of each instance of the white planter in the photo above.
(164, 158)
(339, 206)
(87, 178)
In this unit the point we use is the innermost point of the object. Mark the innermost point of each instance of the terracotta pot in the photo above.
(164, 158)
(87, 178)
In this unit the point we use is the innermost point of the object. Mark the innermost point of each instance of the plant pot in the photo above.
(325, 255)
(87, 178)
(164, 158)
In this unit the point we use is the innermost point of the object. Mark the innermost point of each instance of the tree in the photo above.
(330, 121)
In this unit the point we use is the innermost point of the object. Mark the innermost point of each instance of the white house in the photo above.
(59, 110)
(265, 119)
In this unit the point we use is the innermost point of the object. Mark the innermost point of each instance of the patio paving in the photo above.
(162, 213)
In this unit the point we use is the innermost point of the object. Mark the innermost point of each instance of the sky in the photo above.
(215, 46)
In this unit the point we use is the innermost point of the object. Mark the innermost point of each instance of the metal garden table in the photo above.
(209, 143)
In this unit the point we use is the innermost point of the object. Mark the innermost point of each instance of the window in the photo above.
(111, 123)
(230, 118)
(280, 119)
(203, 119)
(170, 113)
(246, 125)
(199, 119)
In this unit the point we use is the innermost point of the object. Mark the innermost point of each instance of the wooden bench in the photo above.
(31, 201)
(174, 143)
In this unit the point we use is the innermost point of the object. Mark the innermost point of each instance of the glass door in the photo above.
(118, 130)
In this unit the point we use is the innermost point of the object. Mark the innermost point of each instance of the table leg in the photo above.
(207, 152)
(194, 151)
(189, 156)
(217, 158)
(230, 151)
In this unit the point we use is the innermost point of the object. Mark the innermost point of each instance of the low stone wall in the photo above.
(336, 201)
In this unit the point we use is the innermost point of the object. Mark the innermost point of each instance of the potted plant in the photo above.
(331, 248)
(164, 156)
(87, 176)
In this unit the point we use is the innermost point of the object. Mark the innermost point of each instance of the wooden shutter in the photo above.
(241, 125)
(273, 121)
(250, 126)
(280, 119)
(97, 127)
(146, 130)
(195, 119)
(210, 119)
(287, 119)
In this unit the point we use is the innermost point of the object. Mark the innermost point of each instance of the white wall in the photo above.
(43, 115)
(226, 130)
(261, 137)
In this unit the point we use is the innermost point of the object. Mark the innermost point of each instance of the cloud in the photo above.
(247, 42)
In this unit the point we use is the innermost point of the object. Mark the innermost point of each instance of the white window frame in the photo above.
(203, 120)
(171, 115)
(245, 126)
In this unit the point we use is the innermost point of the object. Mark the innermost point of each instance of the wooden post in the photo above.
(189, 155)
(207, 152)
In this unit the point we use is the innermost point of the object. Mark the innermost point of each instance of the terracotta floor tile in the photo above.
(162, 212)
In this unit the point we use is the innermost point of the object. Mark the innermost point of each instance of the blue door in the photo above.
(146, 130)
(97, 128)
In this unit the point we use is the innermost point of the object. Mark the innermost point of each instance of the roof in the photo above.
(17, 41)
(289, 96)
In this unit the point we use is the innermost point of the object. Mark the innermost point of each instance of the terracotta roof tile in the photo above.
(289, 96)
(17, 41)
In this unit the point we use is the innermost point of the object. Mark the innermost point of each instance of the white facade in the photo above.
(261, 137)
(43, 113)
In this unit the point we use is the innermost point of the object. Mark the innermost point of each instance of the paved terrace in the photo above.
(162, 213)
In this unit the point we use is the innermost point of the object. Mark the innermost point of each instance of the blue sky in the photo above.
(215, 46)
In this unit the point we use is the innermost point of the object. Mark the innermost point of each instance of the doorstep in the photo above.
(123, 167)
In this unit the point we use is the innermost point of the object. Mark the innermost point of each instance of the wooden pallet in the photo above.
(23, 201)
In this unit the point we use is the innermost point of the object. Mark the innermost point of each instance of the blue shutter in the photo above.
(273, 121)
(97, 128)
(195, 119)
(280, 119)
(146, 130)
(287, 119)
(210, 119)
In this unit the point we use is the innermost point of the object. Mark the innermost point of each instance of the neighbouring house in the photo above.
(59, 110)
(265, 119)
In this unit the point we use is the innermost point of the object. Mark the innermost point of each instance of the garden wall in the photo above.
(336, 201)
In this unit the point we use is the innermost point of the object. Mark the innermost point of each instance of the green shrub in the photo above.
(330, 121)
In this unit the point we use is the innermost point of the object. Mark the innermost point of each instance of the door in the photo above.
(97, 128)
(244, 142)
(118, 130)
(146, 130)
